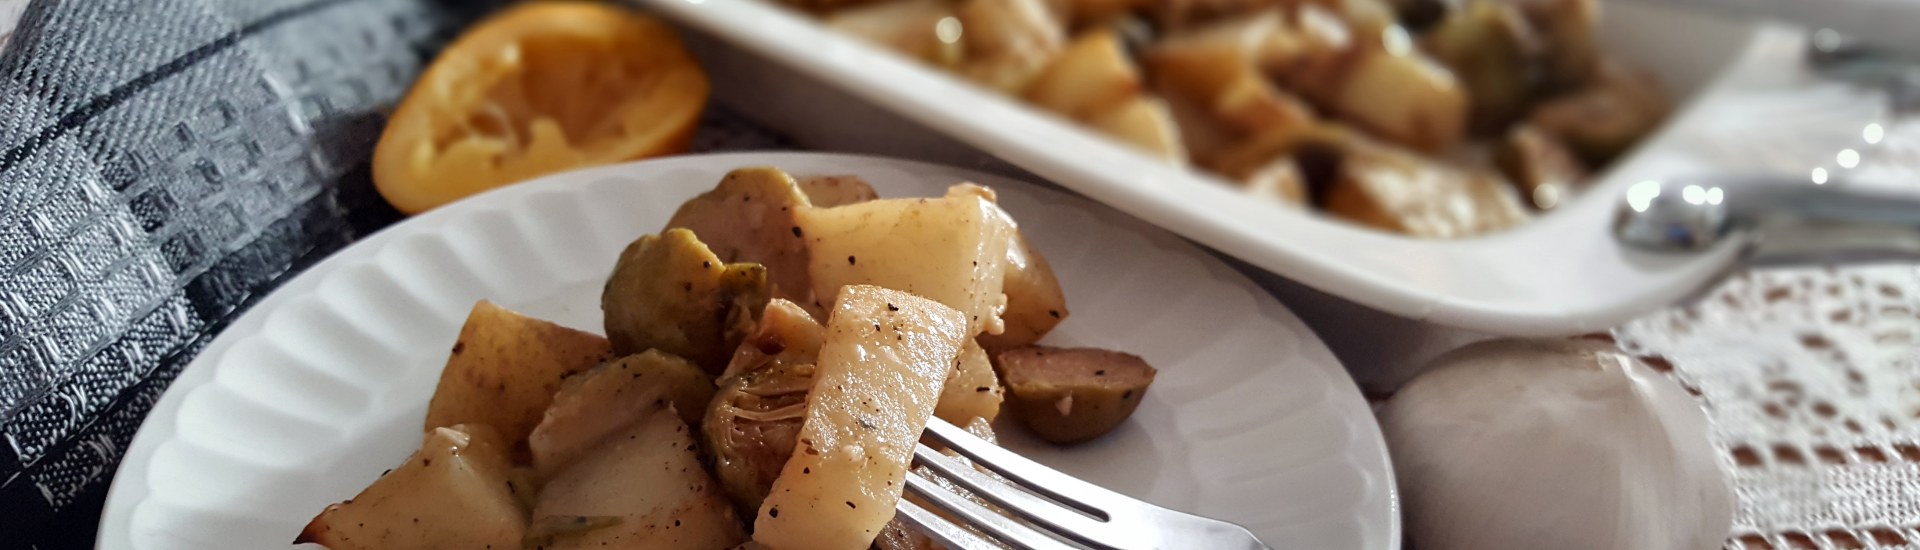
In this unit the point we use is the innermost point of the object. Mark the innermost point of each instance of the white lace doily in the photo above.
(1812, 379)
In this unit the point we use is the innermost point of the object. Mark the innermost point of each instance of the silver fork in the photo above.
(1055, 510)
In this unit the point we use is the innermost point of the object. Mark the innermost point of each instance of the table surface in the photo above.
(1810, 375)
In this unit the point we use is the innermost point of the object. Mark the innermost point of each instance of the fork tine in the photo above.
(1061, 519)
(941, 530)
(1001, 527)
(1031, 475)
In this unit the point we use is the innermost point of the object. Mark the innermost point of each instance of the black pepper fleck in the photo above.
(775, 511)
(850, 260)
(796, 231)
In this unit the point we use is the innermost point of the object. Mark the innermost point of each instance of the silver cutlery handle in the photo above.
(1784, 221)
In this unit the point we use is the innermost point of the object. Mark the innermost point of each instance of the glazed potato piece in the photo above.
(1395, 190)
(669, 292)
(972, 390)
(595, 404)
(1091, 77)
(1279, 181)
(749, 217)
(885, 357)
(1540, 167)
(1496, 55)
(1035, 301)
(1146, 123)
(910, 27)
(830, 191)
(950, 249)
(1403, 97)
(1603, 120)
(504, 368)
(1071, 395)
(643, 488)
(452, 493)
(755, 418)
(1008, 42)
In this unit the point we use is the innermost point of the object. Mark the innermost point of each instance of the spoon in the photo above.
(1776, 219)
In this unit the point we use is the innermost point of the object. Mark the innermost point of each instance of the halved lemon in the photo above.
(540, 88)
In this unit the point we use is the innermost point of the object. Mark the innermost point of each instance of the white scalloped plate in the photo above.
(316, 390)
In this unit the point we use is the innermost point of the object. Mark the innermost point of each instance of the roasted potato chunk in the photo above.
(972, 390)
(1146, 123)
(1092, 76)
(886, 355)
(1540, 167)
(504, 369)
(1394, 190)
(951, 250)
(910, 27)
(755, 418)
(452, 493)
(644, 488)
(1072, 395)
(1035, 302)
(749, 217)
(1008, 42)
(669, 292)
(593, 405)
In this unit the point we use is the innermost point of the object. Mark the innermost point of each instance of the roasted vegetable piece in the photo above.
(830, 191)
(1035, 302)
(1144, 122)
(911, 27)
(1091, 77)
(1008, 42)
(452, 493)
(1279, 181)
(647, 480)
(885, 357)
(749, 217)
(951, 249)
(504, 369)
(1570, 28)
(972, 390)
(593, 405)
(755, 418)
(669, 292)
(1601, 121)
(1401, 96)
(1496, 55)
(1071, 395)
(1395, 190)
(1542, 168)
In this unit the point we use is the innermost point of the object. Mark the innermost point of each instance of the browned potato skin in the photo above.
(1072, 395)
(1035, 301)
(831, 191)
(594, 404)
(453, 493)
(749, 217)
(670, 292)
(504, 369)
